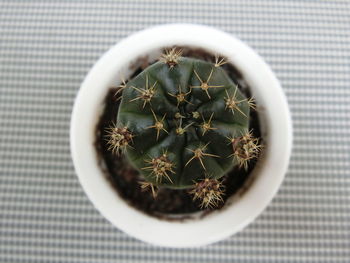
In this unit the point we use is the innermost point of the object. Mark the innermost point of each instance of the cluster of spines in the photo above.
(171, 57)
(181, 130)
(145, 94)
(158, 124)
(181, 96)
(244, 148)
(160, 167)
(119, 138)
(199, 153)
(209, 192)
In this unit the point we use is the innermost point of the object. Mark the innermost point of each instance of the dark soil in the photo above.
(126, 180)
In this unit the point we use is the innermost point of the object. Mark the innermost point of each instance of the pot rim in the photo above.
(219, 224)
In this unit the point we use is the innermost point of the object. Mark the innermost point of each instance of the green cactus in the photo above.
(183, 123)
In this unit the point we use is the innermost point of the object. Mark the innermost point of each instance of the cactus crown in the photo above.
(183, 123)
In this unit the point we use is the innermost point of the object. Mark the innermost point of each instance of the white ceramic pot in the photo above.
(238, 212)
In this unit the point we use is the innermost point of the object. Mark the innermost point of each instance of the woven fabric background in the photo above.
(48, 47)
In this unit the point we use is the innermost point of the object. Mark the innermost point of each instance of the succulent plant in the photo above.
(184, 124)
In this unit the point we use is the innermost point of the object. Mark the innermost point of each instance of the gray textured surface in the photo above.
(47, 49)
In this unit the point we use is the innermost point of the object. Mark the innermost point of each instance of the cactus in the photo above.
(184, 124)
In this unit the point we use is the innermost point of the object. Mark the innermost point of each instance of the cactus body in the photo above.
(183, 116)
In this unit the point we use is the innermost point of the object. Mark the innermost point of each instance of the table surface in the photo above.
(47, 48)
